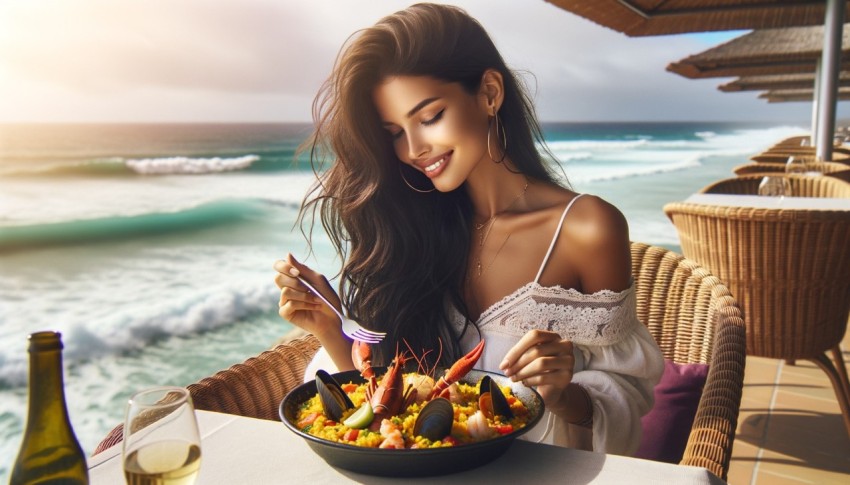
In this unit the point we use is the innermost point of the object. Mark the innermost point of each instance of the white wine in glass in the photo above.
(161, 440)
(774, 186)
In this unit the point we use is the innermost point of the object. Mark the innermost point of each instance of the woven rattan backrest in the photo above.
(677, 301)
(782, 156)
(765, 167)
(801, 186)
(788, 269)
(257, 386)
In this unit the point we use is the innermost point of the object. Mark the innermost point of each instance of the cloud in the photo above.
(103, 45)
(264, 60)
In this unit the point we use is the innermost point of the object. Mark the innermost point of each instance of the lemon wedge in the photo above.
(361, 418)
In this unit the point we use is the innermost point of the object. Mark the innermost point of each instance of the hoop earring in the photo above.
(400, 172)
(499, 126)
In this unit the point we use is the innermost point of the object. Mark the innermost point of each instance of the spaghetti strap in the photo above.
(555, 238)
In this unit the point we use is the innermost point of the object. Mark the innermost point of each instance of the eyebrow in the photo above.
(417, 108)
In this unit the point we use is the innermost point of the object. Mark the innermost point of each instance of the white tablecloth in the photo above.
(762, 202)
(238, 450)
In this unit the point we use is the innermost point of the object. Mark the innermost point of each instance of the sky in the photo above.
(264, 60)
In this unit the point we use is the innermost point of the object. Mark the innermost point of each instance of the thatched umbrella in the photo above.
(791, 95)
(779, 81)
(761, 52)
(657, 17)
(660, 17)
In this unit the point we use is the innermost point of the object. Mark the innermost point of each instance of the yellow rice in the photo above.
(325, 428)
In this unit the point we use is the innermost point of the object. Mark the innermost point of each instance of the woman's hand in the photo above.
(543, 359)
(298, 305)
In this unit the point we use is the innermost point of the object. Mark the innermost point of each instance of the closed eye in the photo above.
(435, 119)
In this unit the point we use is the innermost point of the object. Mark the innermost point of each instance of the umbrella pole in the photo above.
(816, 96)
(832, 36)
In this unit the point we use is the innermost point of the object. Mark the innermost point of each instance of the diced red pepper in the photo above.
(328, 422)
(351, 435)
(503, 428)
(451, 440)
(350, 387)
(511, 400)
(308, 420)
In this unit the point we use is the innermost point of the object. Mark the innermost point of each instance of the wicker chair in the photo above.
(694, 319)
(807, 150)
(687, 310)
(782, 157)
(829, 169)
(789, 270)
(793, 141)
(796, 140)
(801, 186)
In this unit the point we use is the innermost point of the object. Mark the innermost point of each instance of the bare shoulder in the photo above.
(594, 221)
(596, 244)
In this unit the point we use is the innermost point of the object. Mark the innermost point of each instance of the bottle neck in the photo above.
(47, 393)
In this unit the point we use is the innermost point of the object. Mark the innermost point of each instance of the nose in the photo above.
(416, 146)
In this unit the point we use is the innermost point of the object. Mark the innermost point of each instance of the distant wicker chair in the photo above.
(793, 141)
(782, 157)
(789, 269)
(688, 311)
(801, 186)
(805, 150)
(829, 169)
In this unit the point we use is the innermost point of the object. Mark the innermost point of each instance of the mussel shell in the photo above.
(334, 400)
(500, 402)
(435, 420)
(484, 385)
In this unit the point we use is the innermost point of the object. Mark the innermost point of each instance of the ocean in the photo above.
(150, 247)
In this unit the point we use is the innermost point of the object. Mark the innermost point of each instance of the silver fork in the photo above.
(349, 326)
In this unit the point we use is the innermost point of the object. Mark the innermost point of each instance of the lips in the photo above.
(435, 166)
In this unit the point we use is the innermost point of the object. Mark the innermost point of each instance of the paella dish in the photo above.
(410, 410)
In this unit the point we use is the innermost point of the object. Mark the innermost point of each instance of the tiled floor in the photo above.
(790, 430)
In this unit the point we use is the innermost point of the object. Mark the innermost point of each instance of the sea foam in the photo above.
(139, 325)
(187, 165)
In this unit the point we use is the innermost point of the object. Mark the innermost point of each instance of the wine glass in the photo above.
(795, 165)
(774, 186)
(161, 441)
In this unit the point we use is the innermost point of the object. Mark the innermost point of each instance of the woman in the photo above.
(453, 228)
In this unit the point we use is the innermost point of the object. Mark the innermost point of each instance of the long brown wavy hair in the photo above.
(405, 253)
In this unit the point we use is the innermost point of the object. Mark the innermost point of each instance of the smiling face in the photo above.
(436, 127)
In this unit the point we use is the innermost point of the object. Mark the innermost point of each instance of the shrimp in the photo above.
(392, 435)
(478, 427)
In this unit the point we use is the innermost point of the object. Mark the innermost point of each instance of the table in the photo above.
(763, 202)
(239, 450)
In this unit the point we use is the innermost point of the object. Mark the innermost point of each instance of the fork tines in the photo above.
(367, 336)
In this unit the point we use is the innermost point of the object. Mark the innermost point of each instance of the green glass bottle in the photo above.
(50, 452)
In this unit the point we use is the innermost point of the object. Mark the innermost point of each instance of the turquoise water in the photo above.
(150, 246)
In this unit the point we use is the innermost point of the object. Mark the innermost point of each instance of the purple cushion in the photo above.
(667, 426)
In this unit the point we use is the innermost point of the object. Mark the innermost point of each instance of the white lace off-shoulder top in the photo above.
(617, 360)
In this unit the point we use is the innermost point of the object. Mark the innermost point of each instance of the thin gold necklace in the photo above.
(489, 224)
(484, 270)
